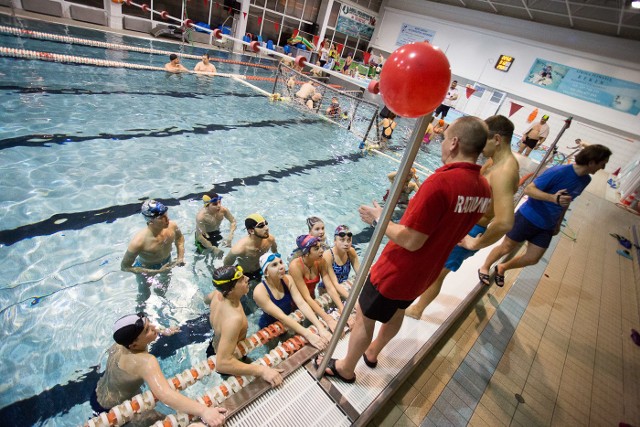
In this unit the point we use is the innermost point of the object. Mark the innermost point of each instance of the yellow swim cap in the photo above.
(252, 220)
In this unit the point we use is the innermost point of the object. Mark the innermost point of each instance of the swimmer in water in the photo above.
(130, 365)
(230, 325)
(205, 66)
(208, 220)
(174, 65)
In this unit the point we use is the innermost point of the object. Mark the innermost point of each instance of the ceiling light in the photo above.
(635, 4)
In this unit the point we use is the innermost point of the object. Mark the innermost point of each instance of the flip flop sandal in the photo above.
(485, 279)
(624, 253)
(335, 374)
(498, 278)
(368, 362)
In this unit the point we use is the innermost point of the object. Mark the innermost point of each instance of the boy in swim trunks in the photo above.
(130, 365)
(502, 173)
(208, 221)
(230, 325)
(534, 136)
(248, 250)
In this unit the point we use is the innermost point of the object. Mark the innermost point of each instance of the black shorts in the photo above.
(442, 109)
(377, 307)
(531, 143)
(523, 229)
(95, 405)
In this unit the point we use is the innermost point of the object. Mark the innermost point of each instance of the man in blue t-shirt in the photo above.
(540, 217)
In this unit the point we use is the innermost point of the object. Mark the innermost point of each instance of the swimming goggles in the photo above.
(155, 209)
(238, 275)
(206, 199)
(272, 257)
(142, 316)
(343, 234)
(262, 224)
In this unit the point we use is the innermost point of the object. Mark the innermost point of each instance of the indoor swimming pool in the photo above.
(81, 147)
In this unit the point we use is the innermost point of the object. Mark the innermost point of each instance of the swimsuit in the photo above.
(285, 304)
(342, 271)
(214, 237)
(311, 283)
(156, 266)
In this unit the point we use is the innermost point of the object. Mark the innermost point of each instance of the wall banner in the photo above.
(355, 22)
(600, 89)
(411, 33)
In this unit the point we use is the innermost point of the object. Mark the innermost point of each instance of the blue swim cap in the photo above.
(152, 209)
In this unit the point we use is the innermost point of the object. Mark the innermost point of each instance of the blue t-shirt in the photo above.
(545, 215)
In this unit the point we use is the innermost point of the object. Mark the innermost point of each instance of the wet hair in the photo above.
(207, 55)
(593, 153)
(313, 220)
(472, 133)
(173, 56)
(500, 125)
(225, 273)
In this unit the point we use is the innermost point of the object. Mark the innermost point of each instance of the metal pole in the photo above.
(544, 160)
(394, 194)
(275, 82)
(373, 118)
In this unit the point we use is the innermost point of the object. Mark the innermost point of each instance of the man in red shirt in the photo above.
(444, 209)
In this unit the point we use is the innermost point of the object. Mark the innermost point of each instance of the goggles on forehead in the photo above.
(238, 274)
(343, 234)
(214, 200)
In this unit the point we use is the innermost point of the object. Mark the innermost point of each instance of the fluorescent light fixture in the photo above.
(635, 4)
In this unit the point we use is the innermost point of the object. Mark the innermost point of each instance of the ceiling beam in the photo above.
(622, 7)
(566, 2)
(492, 6)
(524, 3)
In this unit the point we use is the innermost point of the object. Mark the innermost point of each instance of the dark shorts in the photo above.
(531, 143)
(214, 237)
(254, 275)
(377, 307)
(95, 405)
(442, 109)
(523, 229)
(459, 254)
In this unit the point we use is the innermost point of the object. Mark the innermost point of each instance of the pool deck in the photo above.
(552, 347)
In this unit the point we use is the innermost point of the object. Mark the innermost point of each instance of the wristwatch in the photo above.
(374, 223)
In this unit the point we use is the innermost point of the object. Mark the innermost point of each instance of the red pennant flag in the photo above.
(470, 92)
(315, 40)
(259, 20)
(514, 108)
(244, 14)
(276, 26)
(230, 10)
(206, 3)
(340, 47)
(616, 172)
(366, 56)
(295, 33)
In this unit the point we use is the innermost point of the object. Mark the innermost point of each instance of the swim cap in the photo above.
(313, 220)
(341, 229)
(305, 242)
(226, 274)
(128, 328)
(211, 198)
(265, 259)
(545, 117)
(152, 209)
(252, 220)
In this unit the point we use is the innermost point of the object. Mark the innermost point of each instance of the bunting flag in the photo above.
(514, 108)
(276, 26)
(244, 14)
(230, 10)
(259, 20)
(295, 33)
(315, 40)
(206, 3)
(340, 47)
(366, 56)
(470, 92)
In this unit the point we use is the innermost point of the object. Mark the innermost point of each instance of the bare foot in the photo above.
(413, 312)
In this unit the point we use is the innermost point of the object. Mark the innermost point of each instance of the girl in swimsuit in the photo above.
(278, 296)
(306, 272)
(316, 229)
(342, 258)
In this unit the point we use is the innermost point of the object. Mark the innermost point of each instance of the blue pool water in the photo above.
(81, 147)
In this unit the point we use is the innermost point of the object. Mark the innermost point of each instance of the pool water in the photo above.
(81, 147)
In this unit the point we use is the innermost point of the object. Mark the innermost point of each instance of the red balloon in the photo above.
(414, 79)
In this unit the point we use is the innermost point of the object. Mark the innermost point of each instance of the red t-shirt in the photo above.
(447, 205)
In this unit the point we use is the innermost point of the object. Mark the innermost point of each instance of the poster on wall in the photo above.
(355, 22)
(411, 33)
(588, 86)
